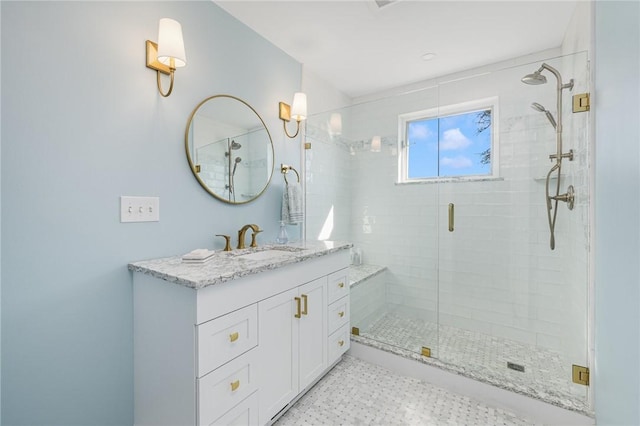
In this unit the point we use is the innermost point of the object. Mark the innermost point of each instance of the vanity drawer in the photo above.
(226, 387)
(338, 314)
(226, 337)
(339, 343)
(243, 414)
(338, 285)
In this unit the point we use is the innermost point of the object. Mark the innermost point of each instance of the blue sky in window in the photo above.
(447, 146)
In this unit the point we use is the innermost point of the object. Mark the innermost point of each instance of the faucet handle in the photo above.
(227, 239)
(253, 237)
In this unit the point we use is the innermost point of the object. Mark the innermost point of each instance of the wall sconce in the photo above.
(335, 124)
(298, 111)
(376, 144)
(168, 54)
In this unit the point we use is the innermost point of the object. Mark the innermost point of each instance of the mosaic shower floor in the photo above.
(546, 376)
(356, 392)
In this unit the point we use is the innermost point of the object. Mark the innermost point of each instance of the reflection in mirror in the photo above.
(229, 149)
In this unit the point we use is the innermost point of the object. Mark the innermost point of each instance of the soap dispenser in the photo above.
(283, 238)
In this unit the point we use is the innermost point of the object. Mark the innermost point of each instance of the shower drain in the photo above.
(516, 367)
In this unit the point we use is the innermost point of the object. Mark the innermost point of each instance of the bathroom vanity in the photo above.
(239, 338)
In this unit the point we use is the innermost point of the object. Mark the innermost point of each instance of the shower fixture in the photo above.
(568, 197)
(535, 78)
(237, 160)
(232, 145)
(540, 108)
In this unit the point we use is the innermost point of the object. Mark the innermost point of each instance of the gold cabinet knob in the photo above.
(235, 385)
(341, 285)
(234, 336)
(341, 314)
(341, 343)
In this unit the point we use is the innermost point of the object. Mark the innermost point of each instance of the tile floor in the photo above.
(547, 374)
(356, 392)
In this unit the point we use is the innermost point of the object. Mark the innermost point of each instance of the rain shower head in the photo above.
(540, 108)
(235, 145)
(535, 78)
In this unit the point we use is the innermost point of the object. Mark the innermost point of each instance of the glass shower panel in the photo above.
(353, 194)
(512, 311)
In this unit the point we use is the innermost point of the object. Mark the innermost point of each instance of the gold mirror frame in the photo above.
(195, 168)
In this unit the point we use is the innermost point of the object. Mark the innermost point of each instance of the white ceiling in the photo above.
(362, 49)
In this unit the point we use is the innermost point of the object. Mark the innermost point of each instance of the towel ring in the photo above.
(284, 169)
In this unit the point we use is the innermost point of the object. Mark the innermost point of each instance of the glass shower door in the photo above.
(512, 311)
(353, 194)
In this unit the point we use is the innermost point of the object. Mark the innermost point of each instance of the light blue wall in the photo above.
(83, 124)
(617, 203)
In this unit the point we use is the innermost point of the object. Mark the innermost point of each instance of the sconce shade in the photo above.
(299, 106)
(170, 43)
(376, 143)
(335, 124)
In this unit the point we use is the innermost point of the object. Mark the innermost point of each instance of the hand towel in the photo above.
(198, 256)
(292, 212)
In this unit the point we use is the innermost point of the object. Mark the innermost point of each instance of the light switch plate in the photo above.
(139, 209)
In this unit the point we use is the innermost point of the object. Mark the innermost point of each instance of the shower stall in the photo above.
(456, 269)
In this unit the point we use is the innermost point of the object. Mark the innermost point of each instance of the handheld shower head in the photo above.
(237, 160)
(535, 78)
(540, 108)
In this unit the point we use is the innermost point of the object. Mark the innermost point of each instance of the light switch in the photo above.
(139, 209)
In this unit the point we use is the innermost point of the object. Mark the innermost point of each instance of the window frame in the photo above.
(490, 103)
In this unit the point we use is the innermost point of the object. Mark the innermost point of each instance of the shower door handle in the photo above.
(451, 217)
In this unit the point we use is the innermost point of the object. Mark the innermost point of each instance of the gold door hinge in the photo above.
(307, 145)
(355, 331)
(580, 375)
(426, 352)
(581, 102)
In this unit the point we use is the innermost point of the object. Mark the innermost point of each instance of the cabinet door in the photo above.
(278, 346)
(312, 350)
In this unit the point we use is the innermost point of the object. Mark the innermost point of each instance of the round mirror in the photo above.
(229, 149)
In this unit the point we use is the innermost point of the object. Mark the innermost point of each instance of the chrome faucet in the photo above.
(255, 230)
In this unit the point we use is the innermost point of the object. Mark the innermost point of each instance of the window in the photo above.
(449, 142)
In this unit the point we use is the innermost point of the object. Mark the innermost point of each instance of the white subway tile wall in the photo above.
(495, 273)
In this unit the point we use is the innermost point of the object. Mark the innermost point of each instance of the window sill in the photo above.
(451, 180)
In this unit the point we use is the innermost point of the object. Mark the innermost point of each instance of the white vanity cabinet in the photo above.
(237, 352)
(293, 343)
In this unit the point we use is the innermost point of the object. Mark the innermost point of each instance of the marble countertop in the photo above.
(359, 273)
(226, 266)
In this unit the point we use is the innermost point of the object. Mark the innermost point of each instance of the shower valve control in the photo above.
(568, 155)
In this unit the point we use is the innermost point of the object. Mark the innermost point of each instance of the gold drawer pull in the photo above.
(298, 307)
(341, 285)
(304, 310)
(341, 343)
(234, 336)
(235, 385)
(341, 314)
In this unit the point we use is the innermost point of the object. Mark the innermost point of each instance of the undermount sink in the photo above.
(270, 253)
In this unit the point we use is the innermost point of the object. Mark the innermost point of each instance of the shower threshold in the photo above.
(484, 358)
